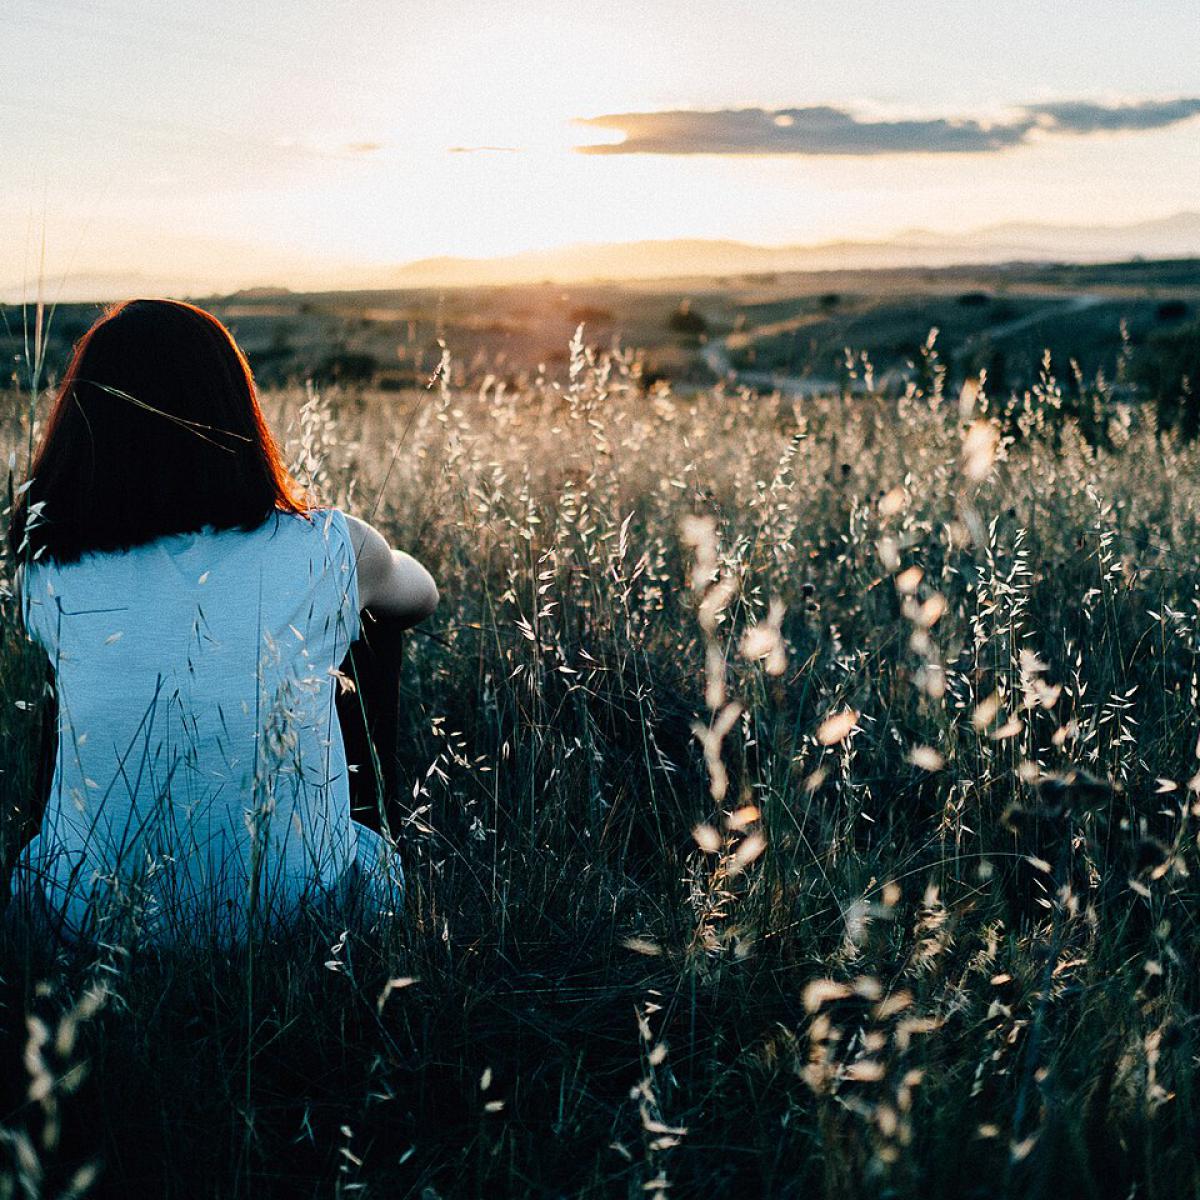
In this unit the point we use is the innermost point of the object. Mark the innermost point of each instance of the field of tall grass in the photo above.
(801, 799)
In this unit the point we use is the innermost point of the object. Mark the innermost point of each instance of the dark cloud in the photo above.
(819, 130)
(826, 130)
(1081, 116)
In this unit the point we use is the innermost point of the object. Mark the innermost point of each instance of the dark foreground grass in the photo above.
(895, 897)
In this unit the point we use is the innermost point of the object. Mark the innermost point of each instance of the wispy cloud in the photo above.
(822, 129)
(484, 149)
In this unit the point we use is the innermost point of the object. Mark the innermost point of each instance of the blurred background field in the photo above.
(790, 330)
(801, 780)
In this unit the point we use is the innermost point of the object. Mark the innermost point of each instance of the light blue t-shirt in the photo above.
(200, 771)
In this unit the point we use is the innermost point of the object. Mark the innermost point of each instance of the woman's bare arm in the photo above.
(390, 582)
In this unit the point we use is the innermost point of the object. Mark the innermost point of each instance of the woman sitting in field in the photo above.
(195, 605)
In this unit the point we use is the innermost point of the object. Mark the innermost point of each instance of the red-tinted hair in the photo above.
(155, 429)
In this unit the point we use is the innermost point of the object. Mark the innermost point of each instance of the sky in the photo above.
(287, 141)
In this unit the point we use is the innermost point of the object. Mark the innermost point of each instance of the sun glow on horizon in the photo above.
(309, 147)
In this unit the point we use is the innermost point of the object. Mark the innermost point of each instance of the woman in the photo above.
(194, 605)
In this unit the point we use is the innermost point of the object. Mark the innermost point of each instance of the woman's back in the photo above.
(200, 765)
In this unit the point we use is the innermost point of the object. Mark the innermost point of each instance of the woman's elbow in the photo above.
(423, 595)
(430, 600)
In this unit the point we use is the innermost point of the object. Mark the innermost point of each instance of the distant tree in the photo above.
(987, 357)
(1172, 310)
(974, 299)
(346, 366)
(590, 314)
(1168, 367)
(398, 380)
(829, 301)
(687, 321)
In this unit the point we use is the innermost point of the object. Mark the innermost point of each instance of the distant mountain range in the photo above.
(1177, 236)
(1170, 237)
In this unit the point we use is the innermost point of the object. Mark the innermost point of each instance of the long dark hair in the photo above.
(155, 429)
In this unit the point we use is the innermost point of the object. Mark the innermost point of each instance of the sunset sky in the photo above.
(285, 140)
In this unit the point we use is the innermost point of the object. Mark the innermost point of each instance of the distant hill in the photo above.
(1171, 237)
(1176, 236)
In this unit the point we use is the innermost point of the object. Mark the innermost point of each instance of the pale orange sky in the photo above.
(224, 144)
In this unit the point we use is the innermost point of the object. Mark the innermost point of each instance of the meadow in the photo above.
(801, 799)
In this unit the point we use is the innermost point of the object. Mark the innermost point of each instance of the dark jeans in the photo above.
(370, 720)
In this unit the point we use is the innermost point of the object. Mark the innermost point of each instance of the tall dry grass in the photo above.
(803, 800)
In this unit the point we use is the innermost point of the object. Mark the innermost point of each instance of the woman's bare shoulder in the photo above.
(369, 544)
(389, 580)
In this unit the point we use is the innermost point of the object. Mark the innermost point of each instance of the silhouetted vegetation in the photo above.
(1168, 367)
(346, 366)
(590, 314)
(687, 320)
